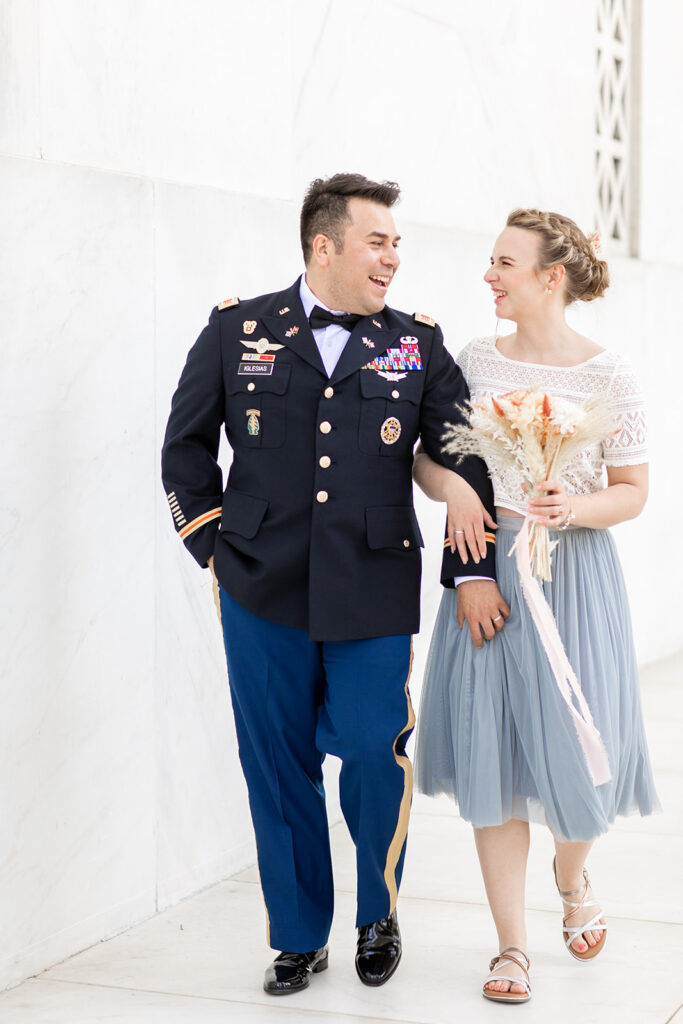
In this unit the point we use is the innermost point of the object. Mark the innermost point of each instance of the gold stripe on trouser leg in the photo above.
(216, 594)
(265, 907)
(217, 601)
(396, 845)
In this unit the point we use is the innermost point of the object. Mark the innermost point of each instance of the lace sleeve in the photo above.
(628, 444)
(463, 361)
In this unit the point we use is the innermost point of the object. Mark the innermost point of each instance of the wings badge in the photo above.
(262, 345)
(390, 376)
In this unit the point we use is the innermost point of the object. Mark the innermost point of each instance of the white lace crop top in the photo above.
(487, 372)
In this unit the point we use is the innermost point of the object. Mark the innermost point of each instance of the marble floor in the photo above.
(203, 959)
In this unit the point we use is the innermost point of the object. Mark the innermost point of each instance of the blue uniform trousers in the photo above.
(296, 700)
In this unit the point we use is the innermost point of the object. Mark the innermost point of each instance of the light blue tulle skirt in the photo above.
(493, 729)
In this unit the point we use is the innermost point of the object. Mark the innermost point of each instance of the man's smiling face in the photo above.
(357, 278)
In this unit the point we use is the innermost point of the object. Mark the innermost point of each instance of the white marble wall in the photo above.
(152, 158)
(77, 753)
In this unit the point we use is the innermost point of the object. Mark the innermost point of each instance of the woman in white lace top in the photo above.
(494, 731)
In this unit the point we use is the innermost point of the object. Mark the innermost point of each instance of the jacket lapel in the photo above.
(369, 338)
(289, 326)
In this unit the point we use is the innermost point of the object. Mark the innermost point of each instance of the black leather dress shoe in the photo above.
(290, 972)
(379, 950)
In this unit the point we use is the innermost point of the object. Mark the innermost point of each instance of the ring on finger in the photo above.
(497, 618)
(459, 531)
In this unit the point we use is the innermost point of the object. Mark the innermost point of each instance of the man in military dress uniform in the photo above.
(323, 391)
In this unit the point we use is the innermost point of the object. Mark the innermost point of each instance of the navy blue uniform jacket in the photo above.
(316, 528)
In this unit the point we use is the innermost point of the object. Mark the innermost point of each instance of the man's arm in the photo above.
(445, 391)
(480, 602)
(191, 475)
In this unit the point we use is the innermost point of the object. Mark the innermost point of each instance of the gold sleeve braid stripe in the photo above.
(200, 521)
(176, 510)
(490, 538)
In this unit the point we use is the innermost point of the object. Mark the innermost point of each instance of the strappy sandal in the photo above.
(502, 960)
(571, 932)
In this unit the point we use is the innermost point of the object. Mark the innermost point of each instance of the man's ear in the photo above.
(321, 249)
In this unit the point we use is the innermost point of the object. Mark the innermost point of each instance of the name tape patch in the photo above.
(254, 369)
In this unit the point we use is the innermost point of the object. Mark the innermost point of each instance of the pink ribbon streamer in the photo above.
(565, 677)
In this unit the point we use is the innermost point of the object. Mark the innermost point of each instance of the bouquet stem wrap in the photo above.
(565, 677)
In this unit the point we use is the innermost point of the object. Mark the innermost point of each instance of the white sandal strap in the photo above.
(508, 977)
(590, 926)
(504, 961)
(583, 903)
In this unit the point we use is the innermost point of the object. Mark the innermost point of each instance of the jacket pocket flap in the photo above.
(393, 527)
(242, 514)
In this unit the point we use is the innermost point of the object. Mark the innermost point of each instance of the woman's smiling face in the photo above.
(517, 284)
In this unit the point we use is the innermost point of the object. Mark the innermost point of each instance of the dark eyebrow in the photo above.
(382, 234)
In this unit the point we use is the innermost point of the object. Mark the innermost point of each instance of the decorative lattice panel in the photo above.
(616, 124)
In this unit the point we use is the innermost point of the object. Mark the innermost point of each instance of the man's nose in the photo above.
(391, 258)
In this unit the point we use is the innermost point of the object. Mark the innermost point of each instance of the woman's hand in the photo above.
(550, 505)
(467, 518)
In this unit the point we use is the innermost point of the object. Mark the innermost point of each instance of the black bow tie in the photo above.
(323, 318)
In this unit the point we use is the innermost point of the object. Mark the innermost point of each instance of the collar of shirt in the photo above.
(309, 300)
(331, 339)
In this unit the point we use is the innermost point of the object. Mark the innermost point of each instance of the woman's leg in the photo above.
(503, 852)
(569, 863)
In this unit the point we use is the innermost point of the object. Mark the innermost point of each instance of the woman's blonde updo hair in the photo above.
(562, 241)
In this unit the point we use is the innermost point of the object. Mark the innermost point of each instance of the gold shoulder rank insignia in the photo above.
(228, 303)
(422, 318)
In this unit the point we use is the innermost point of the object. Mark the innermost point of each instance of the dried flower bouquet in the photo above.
(538, 434)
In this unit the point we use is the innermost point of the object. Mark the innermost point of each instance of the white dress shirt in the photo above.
(331, 339)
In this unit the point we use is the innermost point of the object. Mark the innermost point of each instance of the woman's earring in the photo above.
(548, 290)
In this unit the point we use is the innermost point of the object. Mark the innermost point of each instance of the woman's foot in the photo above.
(502, 984)
(581, 908)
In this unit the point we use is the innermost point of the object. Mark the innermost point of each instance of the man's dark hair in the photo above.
(325, 206)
